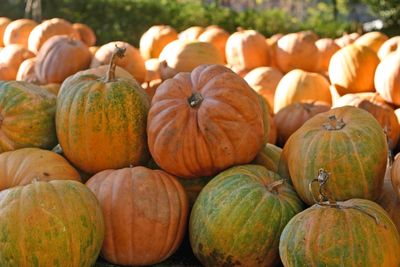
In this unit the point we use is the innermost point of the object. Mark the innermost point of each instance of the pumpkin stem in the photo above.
(195, 100)
(322, 179)
(272, 187)
(119, 52)
(334, 123)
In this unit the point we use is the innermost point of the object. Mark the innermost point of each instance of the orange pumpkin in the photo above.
(152, 69)
(17, 32)
(13, 55)
(326, 48)
(347, 39)
(155, 39)
(93, 50)
(389, 46)
(273, 130)
(373, 40)
(272, 43)
(61, 49)
(209, 120)
(86, 34)
(26, 71)
(3, 25)
(145, 210)
(387, 78)
(7, 73)
(216, 36)
(395, 174)
(191, 33)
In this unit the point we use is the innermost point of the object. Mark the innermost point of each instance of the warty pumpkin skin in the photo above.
(3, 25)
(347, 142)
(155, 39)
(209, 120)
(387, 78)
(373, 40)
(269, 157)
(145, 211)
(216, 36)
(27, 116)
(239, 215)
(22, 166)
(86, 34)
(56, 223)
(17, 32)
(395, 174)
(389, 46)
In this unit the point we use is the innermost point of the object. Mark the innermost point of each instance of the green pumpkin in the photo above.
(269, 157)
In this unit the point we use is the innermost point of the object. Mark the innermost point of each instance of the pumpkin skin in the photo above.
(267, 117)
(216, 36)
(390, 202)
(257, 214)
(155, 39)
(395, 174)
(145, 210)
(193, 187)
(347, 39)
(387, 78)
(47, 29)
(247, 49)
(269, 157)
(17, 32)
(389, 46)
(326, 48)
(3, 25)
(86, 34)
(93, 50)
(103, 70)
(191, 33)
(53, 88)
(13, 55)
(22, 166)
(56, 223)
(373, 40)
(375, 105)
(61, 49)
(152, 69)
(354, 155)
(352, 68)
(299, 86)
(219, 110)
(7, 73)
(26, 71)
(131, 62)
(332, 236)
(27, 117)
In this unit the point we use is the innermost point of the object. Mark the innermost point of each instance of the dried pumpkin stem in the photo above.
(119, 52)
(272, 187)
(334, 123)
(195, 100)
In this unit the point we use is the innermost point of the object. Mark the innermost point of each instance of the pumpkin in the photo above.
(93, 50)
(272, 43)
(356, 232)
(375, 105)
(299, 86)
(352, 68)
(27, 117)
(17, 32)
(152, 69)
(218, 110)
(395, 174)
(56, 223)
(373, 40)
(155, 39)
(26, 71)
(61, 49)
(266, 112)
(22, 166)
(264, 81)
(347, 39)
(273, 130)
(101, 120)
(13, 55)
(297, 51)
(216, 36)
(52, 87)
(7, 73)
(269, 157)
(247, 49)
(389, 46)
(131, 62)
(292, 117)
(239, 70)
(387, 78)
(3, 25)
(191, 33)
(47, 29)
(390, 202)
(145, 210)
(239, 215)
(326, 48)
(86, 34)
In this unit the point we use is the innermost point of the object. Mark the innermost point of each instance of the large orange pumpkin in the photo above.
(272, 44)
(26, 71)
(387, 78)
(7, 73)
(191, 33)
(216, 36)
(86, 34)
(326, 48)
(389, 46)
(145, 210)
(17, 32)
(208, 120)
(373, 40)
(3, 25)
(155, 39)
(13, 55)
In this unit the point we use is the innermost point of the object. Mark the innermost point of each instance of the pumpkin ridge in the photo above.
(20, 229)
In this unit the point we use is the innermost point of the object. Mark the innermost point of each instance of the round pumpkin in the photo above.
(373, 40)
(86, 34)
(239, 215)
(387, 78)
(27, 116)
(191, 33)
(219, 111)
(155, 39)
(352, 69)
(3, 25)
(266, 112)
(7, 73)
(17, 32)
(273, 130)
(247, 49)
(347, 142)
(326, 48)
(56, 223)
(47, 29)
(145, 210)
(216, 36)
(269, 157)
(272, 43)
(26, 71)
(61, 49)
(13, 55)
(389, 46)
(93, 50)
(101, 121)
(300, 86)
(22, 166)
(395, 174)
(390, 202)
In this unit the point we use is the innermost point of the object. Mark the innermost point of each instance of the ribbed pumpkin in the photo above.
(191, 33)
(266, 112)
(239, 215)
(387, 78)
(357, 232)
(209, 120)
(375, 105)
(22, 166)
(101, 121)
(155, 39)
(216, 36)
(7, 73)
(292, 117)
(247, 49)
(17, 32)
(347, 142)
(272, 44)
(326, 48)
(264, 81)
(3, 25)
(390, 202)
(26, 71)
(299, 86)
(27, 116)
(373, 40)
(352, 69)
(47, 29)
(144, 210)
(56, 223)
(395, 174)
(131, 62)
(269, 157)
(297, 51)
(13, 55)
(389, 46)
(86, 34)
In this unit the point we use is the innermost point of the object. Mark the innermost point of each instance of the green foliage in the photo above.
(388, 10)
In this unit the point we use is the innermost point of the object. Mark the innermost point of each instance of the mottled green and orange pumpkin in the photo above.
(269, 157)
(56, 223)
(239, 215)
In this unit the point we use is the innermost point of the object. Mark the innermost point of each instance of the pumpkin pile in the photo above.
(253, 151)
